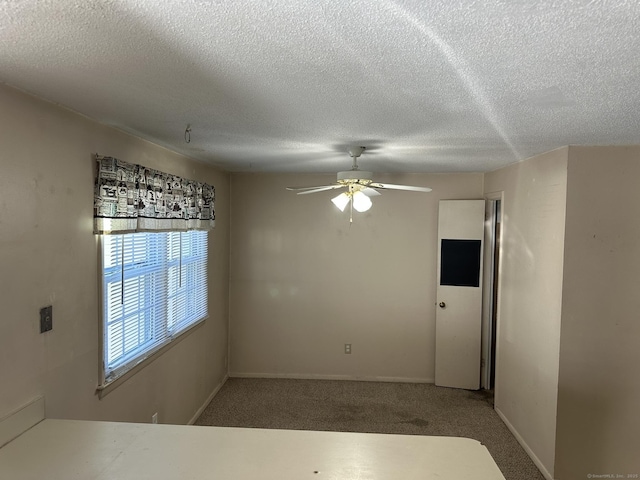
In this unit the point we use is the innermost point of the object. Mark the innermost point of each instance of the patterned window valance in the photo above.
(132, 198)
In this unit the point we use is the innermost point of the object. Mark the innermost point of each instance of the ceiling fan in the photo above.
(359, 184)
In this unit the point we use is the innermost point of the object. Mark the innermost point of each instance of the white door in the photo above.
(459, 293)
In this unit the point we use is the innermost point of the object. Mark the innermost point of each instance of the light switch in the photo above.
(46, 319)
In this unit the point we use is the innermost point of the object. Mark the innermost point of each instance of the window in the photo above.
(154, 287)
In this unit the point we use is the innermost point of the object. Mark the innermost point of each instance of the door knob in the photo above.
(442, 304)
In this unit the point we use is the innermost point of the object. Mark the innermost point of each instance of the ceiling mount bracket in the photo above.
(355, 152)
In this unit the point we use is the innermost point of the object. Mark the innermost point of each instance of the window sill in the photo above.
(107, 387)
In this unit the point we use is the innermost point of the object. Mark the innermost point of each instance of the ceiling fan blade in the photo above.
(391, 186)
(305, 190)
(370, 192)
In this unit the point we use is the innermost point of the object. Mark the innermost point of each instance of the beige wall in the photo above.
(48, 255)
(599, 383)
(528, 342)
(304, 281)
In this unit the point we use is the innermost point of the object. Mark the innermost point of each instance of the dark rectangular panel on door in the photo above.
(460, 263)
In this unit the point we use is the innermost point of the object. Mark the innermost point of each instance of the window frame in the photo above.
(139, 357)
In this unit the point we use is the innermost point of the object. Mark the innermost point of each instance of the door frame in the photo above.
(489, 290)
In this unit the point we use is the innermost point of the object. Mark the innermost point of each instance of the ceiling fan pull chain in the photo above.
(351, 213)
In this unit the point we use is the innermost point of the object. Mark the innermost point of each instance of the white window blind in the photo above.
(154, 287)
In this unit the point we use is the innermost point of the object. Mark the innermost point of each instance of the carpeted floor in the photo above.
(370, 407)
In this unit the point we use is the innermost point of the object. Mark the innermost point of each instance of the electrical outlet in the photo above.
(154, 418)
(347, 348)
(46, 319)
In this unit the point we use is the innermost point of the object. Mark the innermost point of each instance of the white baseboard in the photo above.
(21, 420)
(207, 401)
(526, 447)
(313, 376)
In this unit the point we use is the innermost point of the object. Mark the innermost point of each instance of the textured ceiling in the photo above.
(289, 85)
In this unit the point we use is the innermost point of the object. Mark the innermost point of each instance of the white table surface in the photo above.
(87, 450)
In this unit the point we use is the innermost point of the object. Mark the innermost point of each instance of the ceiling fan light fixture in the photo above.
(361, 202)
(359, 187)
(341, 201)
